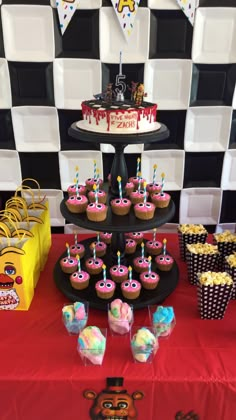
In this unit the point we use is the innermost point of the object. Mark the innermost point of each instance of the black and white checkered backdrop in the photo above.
(189, 71)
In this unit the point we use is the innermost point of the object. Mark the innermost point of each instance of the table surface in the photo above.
(42, 375)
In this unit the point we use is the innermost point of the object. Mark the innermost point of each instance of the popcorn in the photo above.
(231, 260)
(192, 229)
(225, 236)
(211, 278)
(200, 248)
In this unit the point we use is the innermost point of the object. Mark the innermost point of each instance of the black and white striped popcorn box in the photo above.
(232, 273)
(189, 238)
(198, 263)
(213, 300)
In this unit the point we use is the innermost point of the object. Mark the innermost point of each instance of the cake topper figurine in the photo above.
(121, 86)
(139, 94)
(109, 93)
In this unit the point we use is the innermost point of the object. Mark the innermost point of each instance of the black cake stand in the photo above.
(118, 225)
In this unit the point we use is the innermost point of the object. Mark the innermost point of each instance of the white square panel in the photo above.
(84, 4)
(84, 159)
(134, 51)
(207, 129)
(36, 129)
(75, 80)
(200, 205)
(131, 148)
(228, 177)
(163, 4)
(226, 226)
(171, 162)
(5, 87)
(10, 170)
(28, 33)
(55, 198)
(168, 83)
(214, 36)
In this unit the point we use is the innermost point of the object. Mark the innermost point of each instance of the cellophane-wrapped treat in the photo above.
(213, 292)
(226, 243)
(190, 234)
(230, 267)
(200, 258)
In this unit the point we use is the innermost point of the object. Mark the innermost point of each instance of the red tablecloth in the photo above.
(42, 376)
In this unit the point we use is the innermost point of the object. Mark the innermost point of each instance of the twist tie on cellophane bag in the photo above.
(37, 197)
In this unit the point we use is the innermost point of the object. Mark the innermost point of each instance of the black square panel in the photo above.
(232, 139)
(44, 167)
(217, 3)
(203, 169)
(170, 34)
(2, 52)
(81, 37)
(175, 122)
(31, 83)
(212, 84)
(175, 196)
(4, 196)
(6, 130)
(66, 118)
(133, 72)
(228, 213)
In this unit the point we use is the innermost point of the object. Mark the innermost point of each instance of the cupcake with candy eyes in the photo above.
(141, 263)
(105, 288)
(96, 212)
(153, 246)
(130, 246)
(136, 236)
(161, 199)
(102, 196)
(154, 186)
(77, 203)
(164, 261)
(77, 249)
(94, 265)
(106, 237)
(149, 278)
(91, 181)
(144, 211)
(72, 189)
(137, 196)
(131, 288)
(120, 206)
(79, 280)
(119, 272)
(129, 188)
(100, 247)
(68, 264)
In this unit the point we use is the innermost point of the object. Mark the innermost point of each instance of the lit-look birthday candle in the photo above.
(139, 181)
(130, 272)
(154, 173)
(138, 166)
(68, 249)
(120, 66)
(104, 272)
(149, 264)
(118, 258)
(164, 246)
(145, 192)
(98, 237)
(76, 240)
(76, 187)
(95, 192)
(77, 173)
(94, 169)
(120, 186)
(142, 250)
(162, 181)
(94, 252)
(154, 234)
(78, 261)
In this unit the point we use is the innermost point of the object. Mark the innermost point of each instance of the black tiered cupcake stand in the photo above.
(118, 226)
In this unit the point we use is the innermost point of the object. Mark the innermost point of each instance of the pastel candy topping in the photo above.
(75, 317)
(163, 314)
(120, 316)
(144, 343)
(92, 344)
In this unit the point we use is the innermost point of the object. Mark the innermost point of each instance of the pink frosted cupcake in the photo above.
(105, 288)
(77, 249)
(135, 181)
(119, 273)
(77, 204)
(91, 181)
(94, 265)
(144, 211)
(120, 206)
(79, 280)
(137, 236)
(149, 280)
(131, 289)
(153, 188)
(72, 189)
(129, 188)
(130, 246)
(164, 262)
(153, 247)
(138, 196)
(140, 264)
(96, 212)
(161, 199)
(106, 237)
(100, 248)
(69, 264)
(102, 196)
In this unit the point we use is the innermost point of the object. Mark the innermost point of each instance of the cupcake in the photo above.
(164, 262)
(77, 249)
(77, 204)
(119, 273)
(144, 211)
(69, 264)
(161, 199)
(105, 288)
(149, 280)
(140, 264)
(129, 188)
(102, 196)
(153, 188)
(94, 265)
(130, 246)
(96, 212)
(120, 206)
(72, 189)
(137, 196)
(153, 247)
(79, 280)
(137, 180)
(137, 236)
(106, 237)
(131, 289)
(100, 248)
(91, 181)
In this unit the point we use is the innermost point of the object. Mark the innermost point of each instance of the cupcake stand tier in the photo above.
(118, 225)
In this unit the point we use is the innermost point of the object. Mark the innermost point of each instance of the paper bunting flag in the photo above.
(126, 12)
(66, 9)
(188, 7)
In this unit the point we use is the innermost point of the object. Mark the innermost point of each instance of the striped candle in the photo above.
(120, 186)
(149, 264)
(94, 169)
(154, 234)
(138, 166)
(77, 173)
(76, 187)
(130, 272)
(142, 250)
(104, 272)
(76, 240)
(162, 181)
(154, 173)
(139, 181)
(118, 258)
(68, 249)
(98, 237)
(145, 192)
(96, 193)
(94, 252)
(164, 246)
(78, 261)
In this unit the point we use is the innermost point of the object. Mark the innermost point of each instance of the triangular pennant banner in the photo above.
(126, 12)
(66, 9)
(188, 7)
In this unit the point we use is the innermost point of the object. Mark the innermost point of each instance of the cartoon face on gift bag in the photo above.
(10, 278)
(114, 402)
